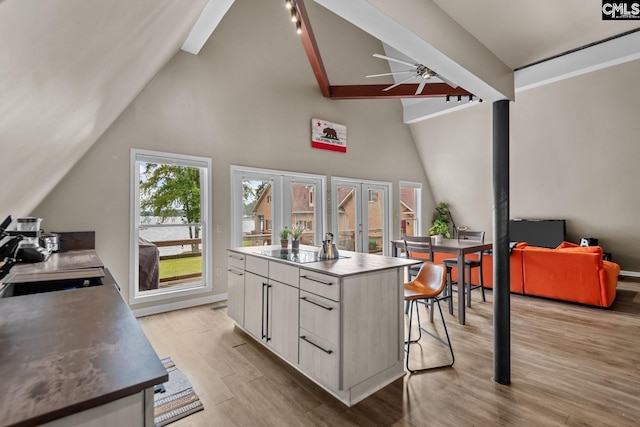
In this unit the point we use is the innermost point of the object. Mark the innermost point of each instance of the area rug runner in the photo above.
(178, 400)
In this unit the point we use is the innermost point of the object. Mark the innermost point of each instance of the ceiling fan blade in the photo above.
(388, 58)
(420, 87)
(450, 83)
(391, 74)
(399, 83)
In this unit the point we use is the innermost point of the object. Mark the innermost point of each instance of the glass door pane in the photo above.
(303, 208)
(257, 213)
(347, 209)
(375, 220)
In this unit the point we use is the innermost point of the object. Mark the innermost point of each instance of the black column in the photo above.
(501, 276)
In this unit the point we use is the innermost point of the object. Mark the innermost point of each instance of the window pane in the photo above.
(302, 211)
(409, 210)
(169, 227)
(346, 207)
(375, 219)
(257, 216)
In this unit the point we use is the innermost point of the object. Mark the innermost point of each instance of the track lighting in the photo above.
(470, 98)
(295, 18)
(448, 98)
(480, 100)
(459, 98)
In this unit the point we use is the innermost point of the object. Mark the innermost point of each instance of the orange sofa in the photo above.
(568, 273)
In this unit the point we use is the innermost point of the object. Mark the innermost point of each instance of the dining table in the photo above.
(452, 246)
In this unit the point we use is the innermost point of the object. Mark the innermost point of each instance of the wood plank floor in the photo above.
(571, 365)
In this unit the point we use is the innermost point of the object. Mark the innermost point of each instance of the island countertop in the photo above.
(353, 263)
(67, 351)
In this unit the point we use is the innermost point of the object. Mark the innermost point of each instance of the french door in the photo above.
(361, 215)
(265, 201)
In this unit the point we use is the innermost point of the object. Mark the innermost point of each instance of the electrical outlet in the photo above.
(218, 271)
(218, 228)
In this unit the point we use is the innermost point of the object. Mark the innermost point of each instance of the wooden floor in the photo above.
(570, 365)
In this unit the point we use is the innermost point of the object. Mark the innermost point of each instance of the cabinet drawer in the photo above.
(284, 273)
(320, 284)
(257, 265)
(236, 260)
(320, 316)
(319, 359)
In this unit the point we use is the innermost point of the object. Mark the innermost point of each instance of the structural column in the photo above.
(501, 274)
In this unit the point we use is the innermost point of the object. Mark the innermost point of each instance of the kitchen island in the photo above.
(75, 357)
(339, 322)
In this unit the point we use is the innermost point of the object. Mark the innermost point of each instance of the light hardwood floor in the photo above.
(570, 365)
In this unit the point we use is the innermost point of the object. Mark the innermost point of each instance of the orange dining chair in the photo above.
(429, 284)
(469, 264)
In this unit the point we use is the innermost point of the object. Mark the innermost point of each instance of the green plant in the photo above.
(284, 233)
(441, 221)
(296, 231)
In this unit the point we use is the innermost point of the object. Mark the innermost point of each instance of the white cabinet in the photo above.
(320, 338)
(338, 322)
(270, 305)
(235, 288)
(282, 331)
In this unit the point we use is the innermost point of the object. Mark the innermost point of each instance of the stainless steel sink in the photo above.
(28, 288)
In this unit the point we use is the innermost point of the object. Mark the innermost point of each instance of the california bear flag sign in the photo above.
(328, 136)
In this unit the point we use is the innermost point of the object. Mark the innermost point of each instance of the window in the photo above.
(170, 233)
(291, 195)
(410, 208)
(373, 196)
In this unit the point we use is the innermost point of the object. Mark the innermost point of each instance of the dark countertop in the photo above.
(67, 351)
(355, 263)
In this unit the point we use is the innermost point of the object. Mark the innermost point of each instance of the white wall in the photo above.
(246, 99)
(574, 154)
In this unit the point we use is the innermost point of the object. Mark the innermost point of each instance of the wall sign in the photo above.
(328, 136)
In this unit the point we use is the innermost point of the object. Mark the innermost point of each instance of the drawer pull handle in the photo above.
(239, 258)
(237, 273)
(315, 345)
(317, 281)
(315, 303)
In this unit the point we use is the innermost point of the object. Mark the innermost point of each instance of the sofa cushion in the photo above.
(566, 244)
(570, 274)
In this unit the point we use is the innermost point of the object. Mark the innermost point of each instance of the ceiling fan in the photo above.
(418, 70)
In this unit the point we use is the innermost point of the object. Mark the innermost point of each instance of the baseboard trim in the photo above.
(147, 311)
(624, 273)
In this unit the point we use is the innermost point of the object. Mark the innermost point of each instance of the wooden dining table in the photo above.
(452, 246)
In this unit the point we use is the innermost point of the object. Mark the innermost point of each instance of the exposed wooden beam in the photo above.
(432, 90)
(311, 48)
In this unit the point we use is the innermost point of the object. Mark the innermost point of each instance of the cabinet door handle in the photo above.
(315, 303)
(317, 280)
(302, 337)
(236, 272)
(268, 314)
(263, 311)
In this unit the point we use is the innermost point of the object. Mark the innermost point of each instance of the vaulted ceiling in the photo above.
(68, 68)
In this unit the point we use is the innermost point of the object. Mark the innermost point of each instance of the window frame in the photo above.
(418, 207)
(280, 199)
(204, 164)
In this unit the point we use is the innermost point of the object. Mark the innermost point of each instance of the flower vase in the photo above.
(295, 244)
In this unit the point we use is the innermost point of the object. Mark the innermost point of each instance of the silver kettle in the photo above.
(328, 249)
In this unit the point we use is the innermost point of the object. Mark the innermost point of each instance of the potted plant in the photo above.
(296, 232)
(440, 227)
(284, 237)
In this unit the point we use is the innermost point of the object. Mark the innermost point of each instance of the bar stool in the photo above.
(428, 284)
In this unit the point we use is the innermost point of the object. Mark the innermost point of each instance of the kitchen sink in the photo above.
(29, 288)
